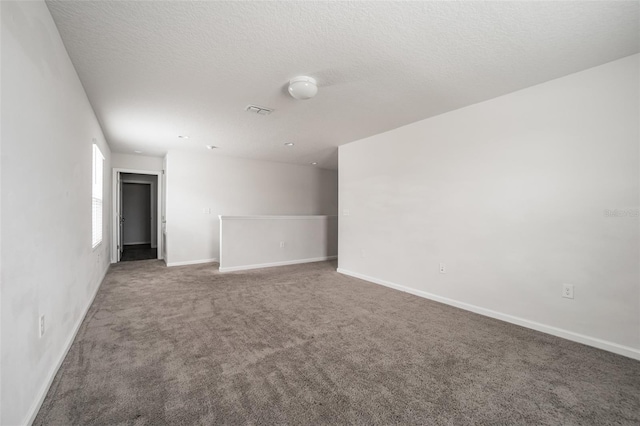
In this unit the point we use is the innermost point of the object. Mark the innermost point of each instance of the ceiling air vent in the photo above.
(258, 110)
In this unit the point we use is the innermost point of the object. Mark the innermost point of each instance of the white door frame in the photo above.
(114, 212)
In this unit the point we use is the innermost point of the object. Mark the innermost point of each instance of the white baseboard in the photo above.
(283, 263)
(559, 332)
(35, 407)
(192, 262)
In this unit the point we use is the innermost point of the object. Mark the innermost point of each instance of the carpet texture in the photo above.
(305, 345)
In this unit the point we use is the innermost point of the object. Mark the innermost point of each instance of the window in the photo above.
(96, 197)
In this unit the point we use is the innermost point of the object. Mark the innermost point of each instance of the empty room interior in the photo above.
(331, 212)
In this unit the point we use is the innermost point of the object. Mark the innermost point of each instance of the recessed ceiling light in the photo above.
(314, 163)
(183, 136)
(289, 144)
(211, 147)
(138, 152)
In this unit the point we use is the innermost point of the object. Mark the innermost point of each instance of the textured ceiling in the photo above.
(156, 70)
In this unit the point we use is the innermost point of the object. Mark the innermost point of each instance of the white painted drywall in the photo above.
(248, 242)
(235, 187)
(511, 195)
(153, 180)
(136, 162)
(136, 210)
(48, 265)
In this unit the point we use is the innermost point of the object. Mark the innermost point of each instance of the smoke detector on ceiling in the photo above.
(303, 87)
(258, 109)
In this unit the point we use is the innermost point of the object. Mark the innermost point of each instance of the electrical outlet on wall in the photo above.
(41, 326)
(443, 268)
(281, 244)
(567, 291)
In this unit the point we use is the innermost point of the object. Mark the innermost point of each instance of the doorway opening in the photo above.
(139, 233)
(137, 207)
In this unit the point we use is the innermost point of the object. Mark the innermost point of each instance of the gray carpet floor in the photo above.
(305, 345)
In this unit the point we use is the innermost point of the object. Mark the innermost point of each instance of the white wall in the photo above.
(136, 162)
(248, 242)
(235, 187)
(510, 194)
(48, 265)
